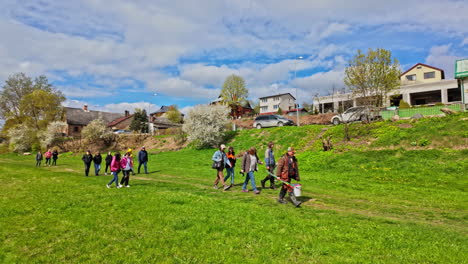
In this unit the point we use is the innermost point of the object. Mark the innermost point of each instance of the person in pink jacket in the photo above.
(127, 166)
(115, 169)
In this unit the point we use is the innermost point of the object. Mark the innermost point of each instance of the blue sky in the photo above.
(116, 55)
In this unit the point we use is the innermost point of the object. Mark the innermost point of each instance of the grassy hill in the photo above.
(376, 199)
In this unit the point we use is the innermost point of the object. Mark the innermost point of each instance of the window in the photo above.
(275, 107)
(260, 118)
(264, 108)
(76, 129)
(411, 77)
(263, 100)
(429, 75)
(276, 98)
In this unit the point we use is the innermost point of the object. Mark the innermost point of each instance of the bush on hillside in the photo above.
(404, 104)
(205, 125)
(22, 137)
(53, 135)
(97, 130)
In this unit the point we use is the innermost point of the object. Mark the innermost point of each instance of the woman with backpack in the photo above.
(115, 169)
(250, 166)
(220, 160)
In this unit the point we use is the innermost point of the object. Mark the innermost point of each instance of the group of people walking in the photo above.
(50, 157)
(115, 164)
(286, 170)
(88, 158)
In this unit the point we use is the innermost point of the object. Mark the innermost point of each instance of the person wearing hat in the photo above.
(220, 161)
(287, 169)
(142, 159)
(131, 156)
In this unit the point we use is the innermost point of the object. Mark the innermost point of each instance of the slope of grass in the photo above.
(374, 207)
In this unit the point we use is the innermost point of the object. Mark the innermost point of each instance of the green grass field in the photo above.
(382, 206)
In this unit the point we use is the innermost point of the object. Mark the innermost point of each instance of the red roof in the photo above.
(118, 120)
(425, 65)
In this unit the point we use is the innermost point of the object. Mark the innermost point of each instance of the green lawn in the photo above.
(388, 206)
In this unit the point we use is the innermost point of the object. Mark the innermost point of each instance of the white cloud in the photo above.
(444, 58)
(465, 41)
(116, 108)
(114, 41)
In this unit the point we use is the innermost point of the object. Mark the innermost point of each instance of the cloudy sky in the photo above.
(115, 55)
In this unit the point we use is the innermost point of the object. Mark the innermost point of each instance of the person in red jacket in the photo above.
(47, 156)
(115, 169)
(287, 169)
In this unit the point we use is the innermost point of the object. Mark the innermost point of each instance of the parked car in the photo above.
(122, 131)
(358, 113)
(271, 121)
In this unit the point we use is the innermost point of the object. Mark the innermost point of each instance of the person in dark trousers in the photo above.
(143, 159)
(127, 166)
(250, 166)
(108, 161)
(54, 157)
(287, 170)
(270, 166)
(220, 157)
(115, 169)
(231, 155)
(47, 156)
(87, 159)
(97, 159)
(38, 159)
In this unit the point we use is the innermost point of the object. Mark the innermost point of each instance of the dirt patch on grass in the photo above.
(405, 125)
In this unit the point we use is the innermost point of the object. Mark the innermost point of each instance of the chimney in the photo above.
(85, 108)
(127, 113)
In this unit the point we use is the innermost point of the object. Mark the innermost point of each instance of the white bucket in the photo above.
(297, 189)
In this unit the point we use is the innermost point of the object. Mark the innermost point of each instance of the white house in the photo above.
(272, 103)
(420, 85)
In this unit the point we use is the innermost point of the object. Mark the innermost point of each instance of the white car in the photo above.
(358, 113)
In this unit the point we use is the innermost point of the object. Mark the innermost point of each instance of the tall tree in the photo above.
(140, 121)
(234, 92)
(372, 76)
(18, 100)
(174, 115)
(40, 108)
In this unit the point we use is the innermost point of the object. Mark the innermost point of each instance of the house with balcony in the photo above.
(421, 84)
(271, 104)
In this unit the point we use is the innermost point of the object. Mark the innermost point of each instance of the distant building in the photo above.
(78, 118)
(461, 74)
(271, 104)
(420, 85)
(244, 109)
(159, 118)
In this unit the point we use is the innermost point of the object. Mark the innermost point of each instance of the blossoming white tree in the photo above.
(205, 124)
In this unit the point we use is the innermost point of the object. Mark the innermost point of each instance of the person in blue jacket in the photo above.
(143, 159)
(270, 164)
(220, 157)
